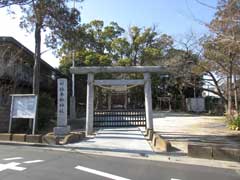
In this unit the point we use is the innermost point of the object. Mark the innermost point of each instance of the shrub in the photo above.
(46, 111)
(234, 124)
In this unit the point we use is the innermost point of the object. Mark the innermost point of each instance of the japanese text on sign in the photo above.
(62, 99)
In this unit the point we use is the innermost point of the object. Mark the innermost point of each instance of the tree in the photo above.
(147, 46)
(95, 47)
(109, 45)
(222, 50)
(106, 45)
(182, 81)
(121, 50)
(51, 16)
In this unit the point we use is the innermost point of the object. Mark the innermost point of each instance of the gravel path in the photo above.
(181, 128)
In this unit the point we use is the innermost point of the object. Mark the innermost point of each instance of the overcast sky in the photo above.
(173, 17)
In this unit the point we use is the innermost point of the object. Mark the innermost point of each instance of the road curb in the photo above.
(157, 142)
(34, 138)
(19, 137)
(48, 138)
(149, 134)
(224, 152)
(6, 136)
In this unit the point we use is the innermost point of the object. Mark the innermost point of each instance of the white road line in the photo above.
(100, 173)
(12, 166)
(34, 161)
(175, 179)
(14, 158)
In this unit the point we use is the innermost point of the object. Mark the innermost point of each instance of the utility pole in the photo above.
(73, 98)
(73, 75)
(73, 62)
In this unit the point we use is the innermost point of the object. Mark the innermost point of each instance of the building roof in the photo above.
(9, 39)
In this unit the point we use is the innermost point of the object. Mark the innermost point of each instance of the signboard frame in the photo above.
(16, 116)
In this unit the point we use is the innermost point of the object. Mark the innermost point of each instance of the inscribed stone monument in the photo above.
(62, 127)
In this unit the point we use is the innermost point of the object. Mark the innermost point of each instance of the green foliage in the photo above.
(234, 124)
(124, 62)
(147, 46)
(65, 65)
(105, 45)
(46, 111)
(97, 59)
(109, 45)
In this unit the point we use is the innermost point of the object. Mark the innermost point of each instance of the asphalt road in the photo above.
(23, 163)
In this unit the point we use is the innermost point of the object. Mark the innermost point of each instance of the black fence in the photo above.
(120, 118)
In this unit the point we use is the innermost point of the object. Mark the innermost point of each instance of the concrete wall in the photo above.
(195, 104)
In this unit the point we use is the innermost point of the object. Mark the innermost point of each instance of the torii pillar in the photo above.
(90, 104)
(148, 100)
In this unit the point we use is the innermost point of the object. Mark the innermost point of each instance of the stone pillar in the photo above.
(109, 101)
(72, 108)
(73, 98)
(90, 104)
(62, 127)
(170, 107)
(148, 100)
(125, 100)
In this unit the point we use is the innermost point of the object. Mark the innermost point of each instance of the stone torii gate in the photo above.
(91, 70)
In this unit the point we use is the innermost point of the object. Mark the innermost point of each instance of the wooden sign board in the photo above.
(23, 106)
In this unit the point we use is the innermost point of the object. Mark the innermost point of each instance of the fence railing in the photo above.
(119, 118)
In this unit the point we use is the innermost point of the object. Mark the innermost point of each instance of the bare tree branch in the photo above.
(205, 4)
(216, 85)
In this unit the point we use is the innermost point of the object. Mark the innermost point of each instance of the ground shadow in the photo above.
(134, 152)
